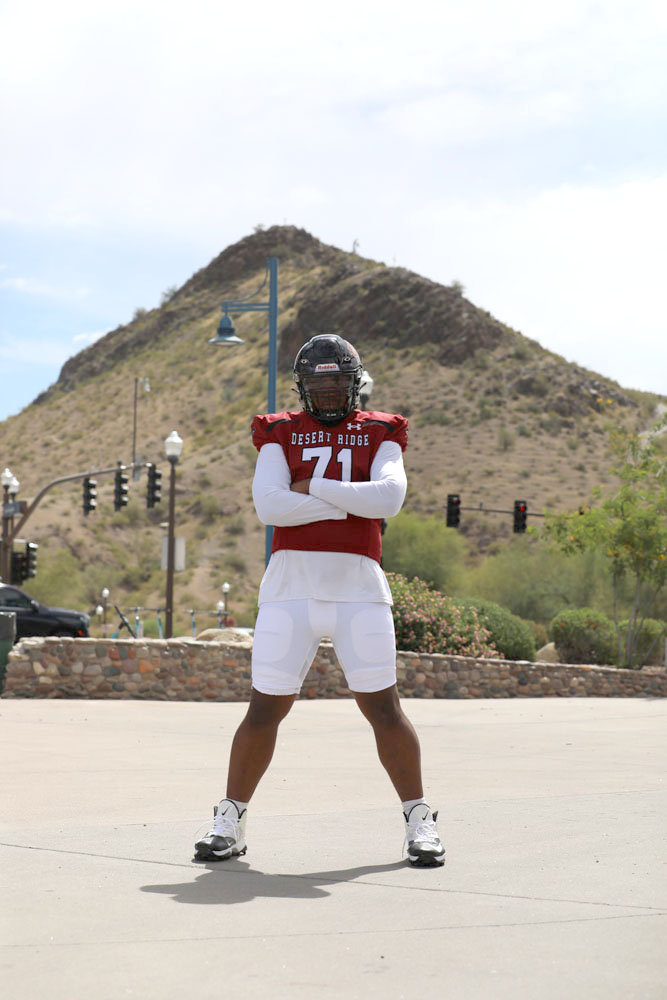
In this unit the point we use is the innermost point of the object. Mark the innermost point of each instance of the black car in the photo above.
(34, 618)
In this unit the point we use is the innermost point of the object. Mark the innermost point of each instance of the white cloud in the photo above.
(579, 269)
(159, 116)
(88, 338)
(39, 351)
(453, 138)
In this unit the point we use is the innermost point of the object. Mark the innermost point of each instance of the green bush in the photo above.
(535, 583)
(512, 637)
(424, 547)
(428, 622)
(583, 635)
(649, 645)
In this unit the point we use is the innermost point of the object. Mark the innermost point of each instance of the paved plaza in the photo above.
(553, 812)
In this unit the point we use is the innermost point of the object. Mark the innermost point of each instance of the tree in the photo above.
(629, 527)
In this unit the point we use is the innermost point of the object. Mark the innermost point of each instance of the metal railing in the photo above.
(223, 618)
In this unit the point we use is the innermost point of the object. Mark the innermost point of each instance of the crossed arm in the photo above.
(280, 502)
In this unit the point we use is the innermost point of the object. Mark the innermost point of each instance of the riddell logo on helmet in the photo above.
(327, 368)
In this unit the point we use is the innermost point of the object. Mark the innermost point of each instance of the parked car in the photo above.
(35, 618)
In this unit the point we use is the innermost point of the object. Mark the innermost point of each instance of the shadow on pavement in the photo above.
(227, 882)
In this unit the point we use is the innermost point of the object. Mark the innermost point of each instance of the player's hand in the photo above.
(303, 486)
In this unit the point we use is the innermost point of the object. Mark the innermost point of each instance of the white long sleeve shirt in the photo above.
(327, 576)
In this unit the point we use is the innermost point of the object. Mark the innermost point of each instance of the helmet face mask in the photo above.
(327, 371)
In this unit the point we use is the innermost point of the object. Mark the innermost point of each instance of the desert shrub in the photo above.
(505, 439)
(583, 635)
(235, 525)
(236, 562)
(129, 516)
(440, 417)
(512, 637)
(209, 507)
(428, 622)
(649, 645)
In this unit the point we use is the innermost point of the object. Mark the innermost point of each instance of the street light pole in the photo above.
(173, 446)
(272, 264)
(225, 593)
(105, 599)
(225, 335)
(6, 479)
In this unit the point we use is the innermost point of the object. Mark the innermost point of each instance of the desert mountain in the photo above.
(493, 416)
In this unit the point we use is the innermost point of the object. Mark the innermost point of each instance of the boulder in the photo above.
(547, 654)
(231, 635)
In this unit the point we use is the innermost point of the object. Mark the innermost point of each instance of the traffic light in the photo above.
(154, 486)
(120, 489)
(453, 510)
(520, 515)
(89, 495)
(16, 571)
(30, 566)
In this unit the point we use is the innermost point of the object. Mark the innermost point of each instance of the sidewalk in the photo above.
(553, 812)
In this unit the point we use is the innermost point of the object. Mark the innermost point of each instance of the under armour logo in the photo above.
(354, 427)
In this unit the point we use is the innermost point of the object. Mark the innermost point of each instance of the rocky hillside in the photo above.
(493, 416)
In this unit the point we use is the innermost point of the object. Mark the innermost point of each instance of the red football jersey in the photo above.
(345, 452)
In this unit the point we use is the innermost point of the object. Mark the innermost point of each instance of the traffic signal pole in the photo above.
(13, 532)
(519, 512)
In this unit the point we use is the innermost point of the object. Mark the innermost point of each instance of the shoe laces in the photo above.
(424, 831)
(225, 826)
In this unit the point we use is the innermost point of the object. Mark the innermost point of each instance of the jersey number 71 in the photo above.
(323, 455)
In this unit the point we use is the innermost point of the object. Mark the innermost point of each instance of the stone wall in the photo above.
(190, 670)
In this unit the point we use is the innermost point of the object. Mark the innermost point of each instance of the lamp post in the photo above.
(6, 479)
(13, 508)
(105, 600)
(139, 380)
(173, 446)
(225, 593)
(226, 335)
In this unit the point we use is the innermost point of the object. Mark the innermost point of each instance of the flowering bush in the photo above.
(512, 637)
(429, 622)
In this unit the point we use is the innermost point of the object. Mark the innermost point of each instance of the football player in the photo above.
(326, 477)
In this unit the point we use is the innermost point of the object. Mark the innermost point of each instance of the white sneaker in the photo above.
(226, 838)
(424, 847)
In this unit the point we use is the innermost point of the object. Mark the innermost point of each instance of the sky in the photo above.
(519, 148)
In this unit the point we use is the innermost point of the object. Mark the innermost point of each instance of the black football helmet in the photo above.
(327, 371)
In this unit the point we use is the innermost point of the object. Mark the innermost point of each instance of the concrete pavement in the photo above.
(553, 812)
